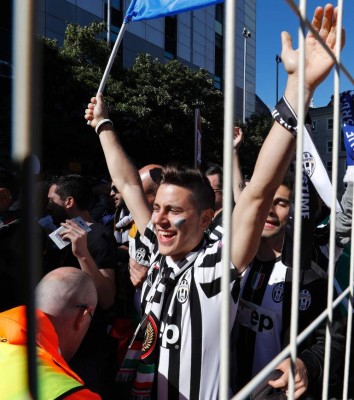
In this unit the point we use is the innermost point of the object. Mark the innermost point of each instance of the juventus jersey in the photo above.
(189, 331)
(137, 250)
(263, 317)
(259, 317)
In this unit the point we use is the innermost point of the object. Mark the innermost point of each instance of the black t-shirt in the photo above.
(100, 243)
(102, 247)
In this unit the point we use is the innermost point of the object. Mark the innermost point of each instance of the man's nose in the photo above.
(159, 217)
(272, 212)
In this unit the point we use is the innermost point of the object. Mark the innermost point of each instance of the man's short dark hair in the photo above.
(192, 179)
(215, 169)
(289, 180)
(10, 182)
(75, 186)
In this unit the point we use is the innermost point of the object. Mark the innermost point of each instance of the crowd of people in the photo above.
(129, 300)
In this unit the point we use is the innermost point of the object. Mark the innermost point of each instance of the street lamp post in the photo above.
(109, 21)
(246, 34)
(277, 60)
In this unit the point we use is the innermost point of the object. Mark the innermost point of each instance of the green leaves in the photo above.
(152, 105)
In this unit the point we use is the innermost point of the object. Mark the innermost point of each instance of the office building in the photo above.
(195, 38)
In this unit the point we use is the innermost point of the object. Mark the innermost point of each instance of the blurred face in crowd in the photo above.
(149, 176)
(278, 213)
(116, 196)
(178, 223)
(56, 206)
(216, 185)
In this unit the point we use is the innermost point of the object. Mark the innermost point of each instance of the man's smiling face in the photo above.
(178, 223)
(278, 213)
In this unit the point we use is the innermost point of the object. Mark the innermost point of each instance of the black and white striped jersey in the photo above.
(138, 250)
(215, 230)
(189, 348)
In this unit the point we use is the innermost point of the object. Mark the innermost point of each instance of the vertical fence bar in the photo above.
(327, 314)
(350, 317)
(332, 244)
(24, 146)
(298, 201)
(230, 18)
(351, 281)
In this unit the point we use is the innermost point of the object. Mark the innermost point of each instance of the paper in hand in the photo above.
(59, 241)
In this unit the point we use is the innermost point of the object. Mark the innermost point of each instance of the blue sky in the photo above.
(274, 16)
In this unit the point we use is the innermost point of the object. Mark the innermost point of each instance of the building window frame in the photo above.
(170, 46)
(314, 126)
(329, 167)
(329, 146)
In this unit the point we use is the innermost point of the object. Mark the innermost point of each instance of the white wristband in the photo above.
(102, 122)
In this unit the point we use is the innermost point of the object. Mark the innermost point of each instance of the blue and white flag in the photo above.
(316, 171)
(347, 111)
(148, 9)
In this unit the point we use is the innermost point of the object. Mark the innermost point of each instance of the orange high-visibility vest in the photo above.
(55, 378)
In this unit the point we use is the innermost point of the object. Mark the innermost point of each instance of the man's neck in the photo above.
(84, 214)
(270, 248)
(216, 212)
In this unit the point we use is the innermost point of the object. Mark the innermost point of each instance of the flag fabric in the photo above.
(347, 111)
(316, 171)
(139, 10)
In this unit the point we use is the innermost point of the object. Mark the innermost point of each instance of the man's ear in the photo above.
(206, 218)
(69, 202)
(80, 319)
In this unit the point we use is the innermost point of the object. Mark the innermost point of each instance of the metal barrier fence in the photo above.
(297, 337)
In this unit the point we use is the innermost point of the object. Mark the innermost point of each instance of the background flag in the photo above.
(316, 171)
(147, 9)
(347, 111)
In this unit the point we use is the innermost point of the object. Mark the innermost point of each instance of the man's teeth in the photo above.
(166, 233)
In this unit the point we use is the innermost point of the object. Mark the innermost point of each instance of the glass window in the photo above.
(219, 13)
(329, 166)
(117, 4)
(116, 17)
(171, 37)
(314, 126)
(329, 146)
(217, 82)
(330, 123)
(342, 145)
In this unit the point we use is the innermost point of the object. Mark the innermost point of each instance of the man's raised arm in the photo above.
(123, 173)
(278, 149)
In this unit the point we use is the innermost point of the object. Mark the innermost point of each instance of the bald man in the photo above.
(66, 300)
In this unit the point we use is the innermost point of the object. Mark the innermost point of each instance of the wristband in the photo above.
(103, 122)
(286, 117)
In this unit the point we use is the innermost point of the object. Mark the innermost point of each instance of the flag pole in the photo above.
(112, 58)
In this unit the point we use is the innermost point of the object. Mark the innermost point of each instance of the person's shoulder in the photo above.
(209, 254)
(98, 229)
(100, 237)
(82, 394)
